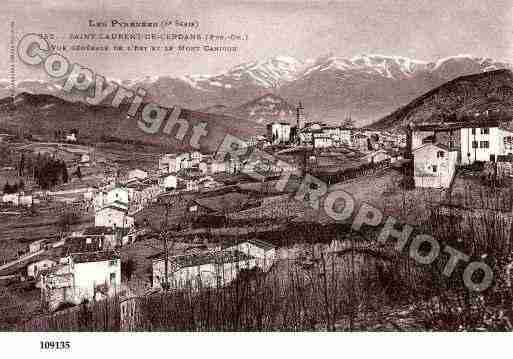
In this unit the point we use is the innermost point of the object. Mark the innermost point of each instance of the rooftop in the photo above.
(79, 244)
(256, 242)
(116, 205)
(98, 256)
(217, 257)
(94, 231)
(232, 201)
(439, 145)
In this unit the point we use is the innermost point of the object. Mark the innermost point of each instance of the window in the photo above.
(484, 144)
(474, 144)
(485, 131)
(113, 262)
(473, 131)
(112, 278)
(440, 154)
(434, 168)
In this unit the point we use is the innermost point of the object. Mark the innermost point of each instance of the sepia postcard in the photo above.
(174, 166)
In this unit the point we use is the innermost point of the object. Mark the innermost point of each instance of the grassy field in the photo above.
(16, 232)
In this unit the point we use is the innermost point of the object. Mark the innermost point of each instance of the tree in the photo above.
(67, 219)
(128, 268)
(21, 165)
(78, 172)
(369, 144)
(7, 188)
(64, 170)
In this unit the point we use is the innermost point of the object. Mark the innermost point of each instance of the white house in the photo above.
(141, 193)
(168, 182)
(360, 142)
(264, 252)
(320, 140)
(85, 159)
(45, 243)
(38, 265)
(71, 137)
(203, 270)
(137, 174)
(117, 196)
(195, 158)
(82, 276)
(18, 199)
(377, 156)
(26, 200)
(12, 198)
(192, 184)
(434, 165)
(338, 134)
(484, 143)
(212, 166)
(279, 132)
(114, 217)
(233, 166)
(311, 129)
(167, 163)
(107, 237)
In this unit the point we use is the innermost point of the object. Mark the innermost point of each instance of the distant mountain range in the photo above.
(368, 87)
(461, 99)
(41, 115)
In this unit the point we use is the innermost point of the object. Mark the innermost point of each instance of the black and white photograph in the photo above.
(249, 166)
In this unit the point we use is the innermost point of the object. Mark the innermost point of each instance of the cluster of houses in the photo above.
(370, 146)
(86, 266)
(316, 134)
(437, 149)
(82, 266)
(19, 199)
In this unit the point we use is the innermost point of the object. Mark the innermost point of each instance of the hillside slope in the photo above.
(42, 115)
(461, 97)
(262, 110)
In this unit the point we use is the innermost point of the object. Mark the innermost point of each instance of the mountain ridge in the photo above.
(367, 86)
(42, 115)
(460, 98)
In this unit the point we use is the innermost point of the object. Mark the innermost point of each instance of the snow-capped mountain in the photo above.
(367, 86)
(271, 73)
(393, 67)
(371, 86)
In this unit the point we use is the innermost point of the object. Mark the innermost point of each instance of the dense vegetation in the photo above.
(45, 170)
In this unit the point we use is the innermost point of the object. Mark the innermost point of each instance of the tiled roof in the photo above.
(254, 241)
(232, 201)
(99, 256)
(116, 207)
(78, 244)
(98, 230)
(215, 257)
(439, 145)
(262, 244)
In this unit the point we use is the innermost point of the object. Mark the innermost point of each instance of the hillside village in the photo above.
(129, 226)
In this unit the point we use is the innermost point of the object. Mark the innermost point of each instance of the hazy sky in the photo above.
(421, 29)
